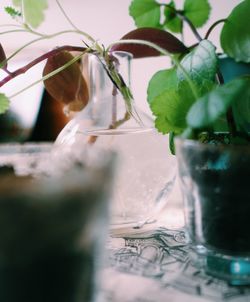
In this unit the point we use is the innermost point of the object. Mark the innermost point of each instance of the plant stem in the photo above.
(121, 121)
(181, 16)
(43, 38)
(213, 26)
(12, 31)
(45, 56)
(73, 25)
(49, 75)
(114, 105)
(164, 52)
(231, 122)
(92, 138)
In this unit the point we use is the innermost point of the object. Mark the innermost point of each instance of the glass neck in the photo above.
(100, 83)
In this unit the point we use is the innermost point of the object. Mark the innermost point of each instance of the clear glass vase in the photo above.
(146, 170)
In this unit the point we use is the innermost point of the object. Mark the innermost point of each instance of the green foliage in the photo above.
(235, 35)
(146, 13)
(191, 97)
(197, 11)
(4, 103)
(170, 109)
(206, 110)
(200, 64)
(14, 13)
(171, 142)
(32, 11)
(241, 110)
(169, 93)
(161, 82)
(172, 21)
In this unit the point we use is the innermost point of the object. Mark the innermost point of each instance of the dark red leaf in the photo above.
(69, 85)
(159, 37)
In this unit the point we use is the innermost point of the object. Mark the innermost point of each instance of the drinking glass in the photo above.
(215, 186)
(53, 222)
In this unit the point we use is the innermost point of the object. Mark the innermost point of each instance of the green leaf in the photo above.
(241, 111)
(146, 13)
(12, 12)
(235, 35)
(201, 65)
(216, 103)
(172, 22)
(171, 142)
(197, 11)
(162, 81)
(169, 93)
(33, 11)
(170, 109)
(4, 103)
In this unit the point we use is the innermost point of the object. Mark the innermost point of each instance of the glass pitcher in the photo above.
(146, 170)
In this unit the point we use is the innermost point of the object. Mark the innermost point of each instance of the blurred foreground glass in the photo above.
(53, 222)
(215, 186)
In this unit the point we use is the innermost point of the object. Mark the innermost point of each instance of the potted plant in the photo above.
(203, 104)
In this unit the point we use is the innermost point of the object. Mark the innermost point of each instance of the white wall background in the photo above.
(107, 21)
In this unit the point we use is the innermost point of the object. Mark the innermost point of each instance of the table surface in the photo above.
(152, 264)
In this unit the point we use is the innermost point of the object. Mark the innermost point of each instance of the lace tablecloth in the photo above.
(152, 264)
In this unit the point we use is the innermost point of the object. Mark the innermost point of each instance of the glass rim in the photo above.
(33, 147)
(209, 146)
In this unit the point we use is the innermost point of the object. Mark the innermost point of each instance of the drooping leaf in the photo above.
(201, 65)
(3, 63)
(33, 11)
(67, 86)
(159, 37)
(216, 103)
(197, 11)
(146, 13)
(172, 21)
(162, 81)
(235, 34)
(4, 103)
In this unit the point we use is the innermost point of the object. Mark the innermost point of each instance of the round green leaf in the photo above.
(172, 22)
(200, 64)
(170, 109)
(162, 81)
(235, 35)
(197, 11)
(146, 13)
(33, 11)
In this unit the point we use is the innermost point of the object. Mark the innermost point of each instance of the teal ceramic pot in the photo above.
(231, 69)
